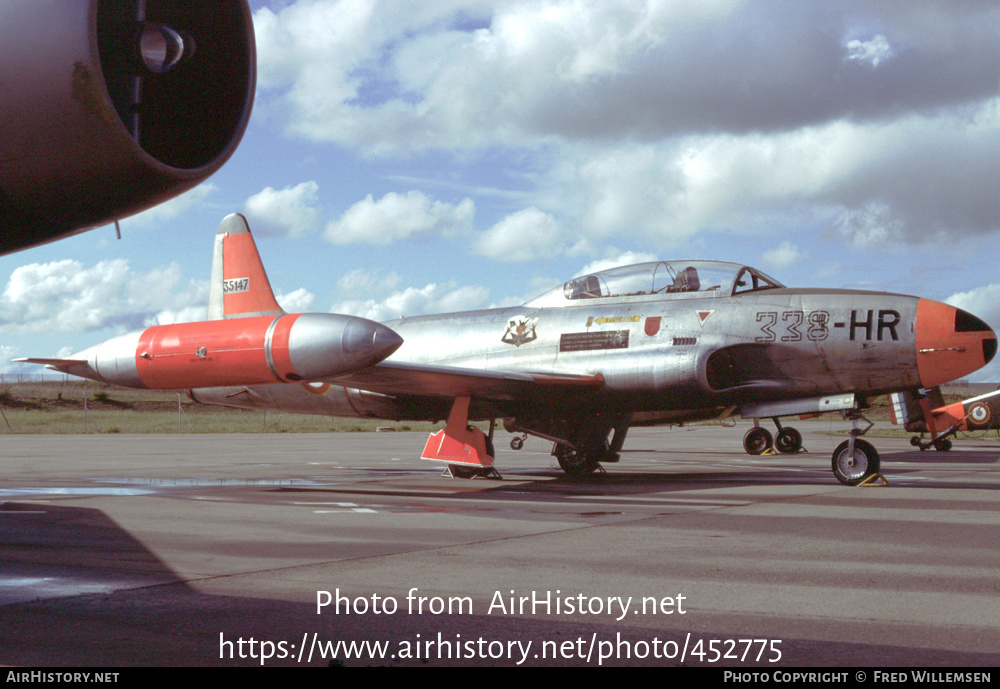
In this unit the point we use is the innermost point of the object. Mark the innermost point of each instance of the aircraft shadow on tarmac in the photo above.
(986, 456)
(76, 589)
(615, 483)
(57, 550)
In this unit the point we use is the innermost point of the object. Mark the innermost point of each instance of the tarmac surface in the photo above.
(191, 550)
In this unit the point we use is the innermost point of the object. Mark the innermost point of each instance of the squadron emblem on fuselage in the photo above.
(520, 331)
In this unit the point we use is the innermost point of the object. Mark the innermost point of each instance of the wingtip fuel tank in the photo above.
(242, 351)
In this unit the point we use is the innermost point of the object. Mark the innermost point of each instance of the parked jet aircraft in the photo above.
(688, 339)
(112, 106)
(924, 411)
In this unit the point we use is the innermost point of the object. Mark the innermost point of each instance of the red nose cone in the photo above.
(951, 343)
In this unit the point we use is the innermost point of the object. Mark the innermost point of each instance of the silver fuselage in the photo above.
(690, 355)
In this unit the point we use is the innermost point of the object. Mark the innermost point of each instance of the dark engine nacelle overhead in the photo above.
(112, 106)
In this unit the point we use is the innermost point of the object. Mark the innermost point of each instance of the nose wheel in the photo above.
(855, 461)
(854, 465)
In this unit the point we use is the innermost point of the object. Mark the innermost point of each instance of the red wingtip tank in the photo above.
(250, 340)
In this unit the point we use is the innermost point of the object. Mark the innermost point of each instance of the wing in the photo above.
(458, 443)
(420, 380)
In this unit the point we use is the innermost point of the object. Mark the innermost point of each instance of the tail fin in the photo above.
(239, 287)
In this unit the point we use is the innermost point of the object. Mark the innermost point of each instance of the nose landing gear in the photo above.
(856, 461)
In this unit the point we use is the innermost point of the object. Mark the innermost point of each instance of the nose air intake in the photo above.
(951, 343)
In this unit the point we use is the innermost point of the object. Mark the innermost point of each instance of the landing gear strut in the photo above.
(939, 443)
(855, 460)
(580, 443)
(468, 451)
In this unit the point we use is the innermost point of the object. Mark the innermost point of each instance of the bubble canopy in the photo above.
(678, 279)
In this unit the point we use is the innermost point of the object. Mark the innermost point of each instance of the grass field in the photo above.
(71, 406)
(87, 407)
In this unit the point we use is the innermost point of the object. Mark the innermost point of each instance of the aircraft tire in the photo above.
(464, 471)
(788, 441)
(575, 462)
(516, 443)
(757, 440)
(942, 445)
(853, 470)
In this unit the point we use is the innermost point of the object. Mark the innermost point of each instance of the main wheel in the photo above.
(464, 470)
(788, 441)
(757, 440)
(575, 462)
(853, 470)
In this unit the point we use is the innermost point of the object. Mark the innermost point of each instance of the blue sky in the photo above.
(408, 158)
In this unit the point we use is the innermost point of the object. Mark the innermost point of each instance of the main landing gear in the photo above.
(855, 461)
(939, 443)
(581, 461)
(758, 440)
(579, 444)
(467, 450)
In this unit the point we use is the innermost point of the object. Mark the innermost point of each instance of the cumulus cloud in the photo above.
(291, 211)
(871, 226)
(65, 296)
(522, 236)
(872, 52)
(185, 314)
(457, 75)
(662, 121)
(984, 302)
(175, 206)
(398, 216)
(784, 255)
(360, 281)
(624, 258)
(415, 301)
(6, 354)
(296, 301)
(914, 179)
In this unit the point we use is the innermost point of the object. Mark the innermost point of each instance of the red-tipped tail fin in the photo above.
(239, 286)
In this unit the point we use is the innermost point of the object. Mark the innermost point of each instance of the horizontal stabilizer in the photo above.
(55, 364)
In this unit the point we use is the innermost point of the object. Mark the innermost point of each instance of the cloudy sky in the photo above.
(408, 158)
